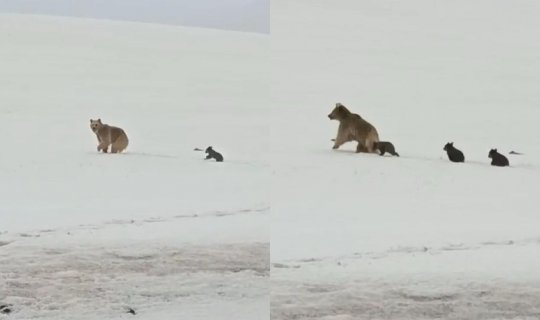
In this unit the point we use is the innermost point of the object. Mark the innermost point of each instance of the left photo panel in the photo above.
(134, 174)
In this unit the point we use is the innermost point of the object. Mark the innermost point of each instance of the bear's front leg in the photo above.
(338, 142)
(103, 146)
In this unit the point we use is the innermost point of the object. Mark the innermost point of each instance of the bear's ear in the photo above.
(495, 150)
(90, 120)
(99, 121)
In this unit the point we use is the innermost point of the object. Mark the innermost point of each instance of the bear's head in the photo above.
(340, 112)
(448, 146)
(492, 152)
(95, 124)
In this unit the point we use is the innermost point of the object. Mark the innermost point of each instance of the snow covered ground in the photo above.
(357, 236)
(85, 235)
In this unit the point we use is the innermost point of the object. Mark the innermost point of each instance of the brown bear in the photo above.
(353, 128)
(109, 136)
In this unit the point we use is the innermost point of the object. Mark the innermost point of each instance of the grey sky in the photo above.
(244, 15)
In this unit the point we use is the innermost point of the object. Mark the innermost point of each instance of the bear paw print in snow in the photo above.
(5, 309)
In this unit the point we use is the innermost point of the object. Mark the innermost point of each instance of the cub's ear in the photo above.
(99, 120)
(495, 150)
(90, 120)
(451, 143)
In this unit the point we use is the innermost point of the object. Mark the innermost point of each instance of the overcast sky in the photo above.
(244, 15)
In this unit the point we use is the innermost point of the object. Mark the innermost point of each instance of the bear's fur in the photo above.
(109, 136)
(353, 128)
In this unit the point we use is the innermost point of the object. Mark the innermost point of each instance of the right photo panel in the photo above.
(405, 159)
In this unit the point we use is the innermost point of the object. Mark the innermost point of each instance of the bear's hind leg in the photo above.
(361, 148)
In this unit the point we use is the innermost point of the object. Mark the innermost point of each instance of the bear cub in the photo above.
(498, 159)
(385, 146)
(212, 154)
(454, 154)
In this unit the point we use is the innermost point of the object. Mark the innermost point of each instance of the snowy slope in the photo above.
(83, 234)
(416, 237)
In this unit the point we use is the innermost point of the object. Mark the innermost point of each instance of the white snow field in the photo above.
(359, 236)
(85, 235)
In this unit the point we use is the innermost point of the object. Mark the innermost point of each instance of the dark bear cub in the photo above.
(385, 146)
(212, 154)
(498, 159)
(454, 154)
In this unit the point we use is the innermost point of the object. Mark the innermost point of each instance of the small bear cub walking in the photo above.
(385, 146)
(454, 154)
(498, 159)
(212, 154)
(109, 136)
